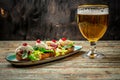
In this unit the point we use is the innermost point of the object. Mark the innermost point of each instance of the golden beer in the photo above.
(92, 24)
(92, 21)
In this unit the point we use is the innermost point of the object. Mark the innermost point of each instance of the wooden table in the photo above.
(71, 68)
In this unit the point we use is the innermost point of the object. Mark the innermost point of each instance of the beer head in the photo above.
(92, 9)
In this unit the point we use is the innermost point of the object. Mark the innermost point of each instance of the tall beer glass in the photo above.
(92, 21)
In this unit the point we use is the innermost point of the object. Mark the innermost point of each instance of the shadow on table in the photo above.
(71, 57)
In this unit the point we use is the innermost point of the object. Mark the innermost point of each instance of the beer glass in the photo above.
(92, 21)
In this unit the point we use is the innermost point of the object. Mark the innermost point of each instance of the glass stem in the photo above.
(92, 51)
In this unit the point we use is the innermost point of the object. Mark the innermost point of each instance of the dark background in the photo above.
(50, 19)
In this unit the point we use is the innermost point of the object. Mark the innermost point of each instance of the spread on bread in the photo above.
(43, 50)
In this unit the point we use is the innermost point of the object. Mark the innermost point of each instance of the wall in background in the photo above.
(50, 19)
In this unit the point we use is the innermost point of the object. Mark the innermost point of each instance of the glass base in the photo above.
(91, 55)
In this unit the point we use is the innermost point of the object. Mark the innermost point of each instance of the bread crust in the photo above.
(46, 55)
(69, 50)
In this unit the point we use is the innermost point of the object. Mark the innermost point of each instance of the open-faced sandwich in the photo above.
(23, 52)
(64, 47)
(42, 50)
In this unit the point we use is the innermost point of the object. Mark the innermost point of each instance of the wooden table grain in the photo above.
(74, 67)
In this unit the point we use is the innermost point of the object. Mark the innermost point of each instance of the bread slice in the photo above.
(45, 55)
(69, 50)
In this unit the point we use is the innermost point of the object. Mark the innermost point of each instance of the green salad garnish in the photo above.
(68, 46)
(42, 49)
(35, 55)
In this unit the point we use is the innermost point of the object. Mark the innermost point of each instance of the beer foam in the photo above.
(86, 11)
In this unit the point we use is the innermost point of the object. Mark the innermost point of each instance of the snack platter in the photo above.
(26, 55)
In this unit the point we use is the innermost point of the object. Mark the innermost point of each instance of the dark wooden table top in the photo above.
(74, 67)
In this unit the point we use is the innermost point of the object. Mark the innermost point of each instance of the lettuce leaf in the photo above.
(45, 50)
(25, 54)
(42, 49)
(35, 55)
(67, 46)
